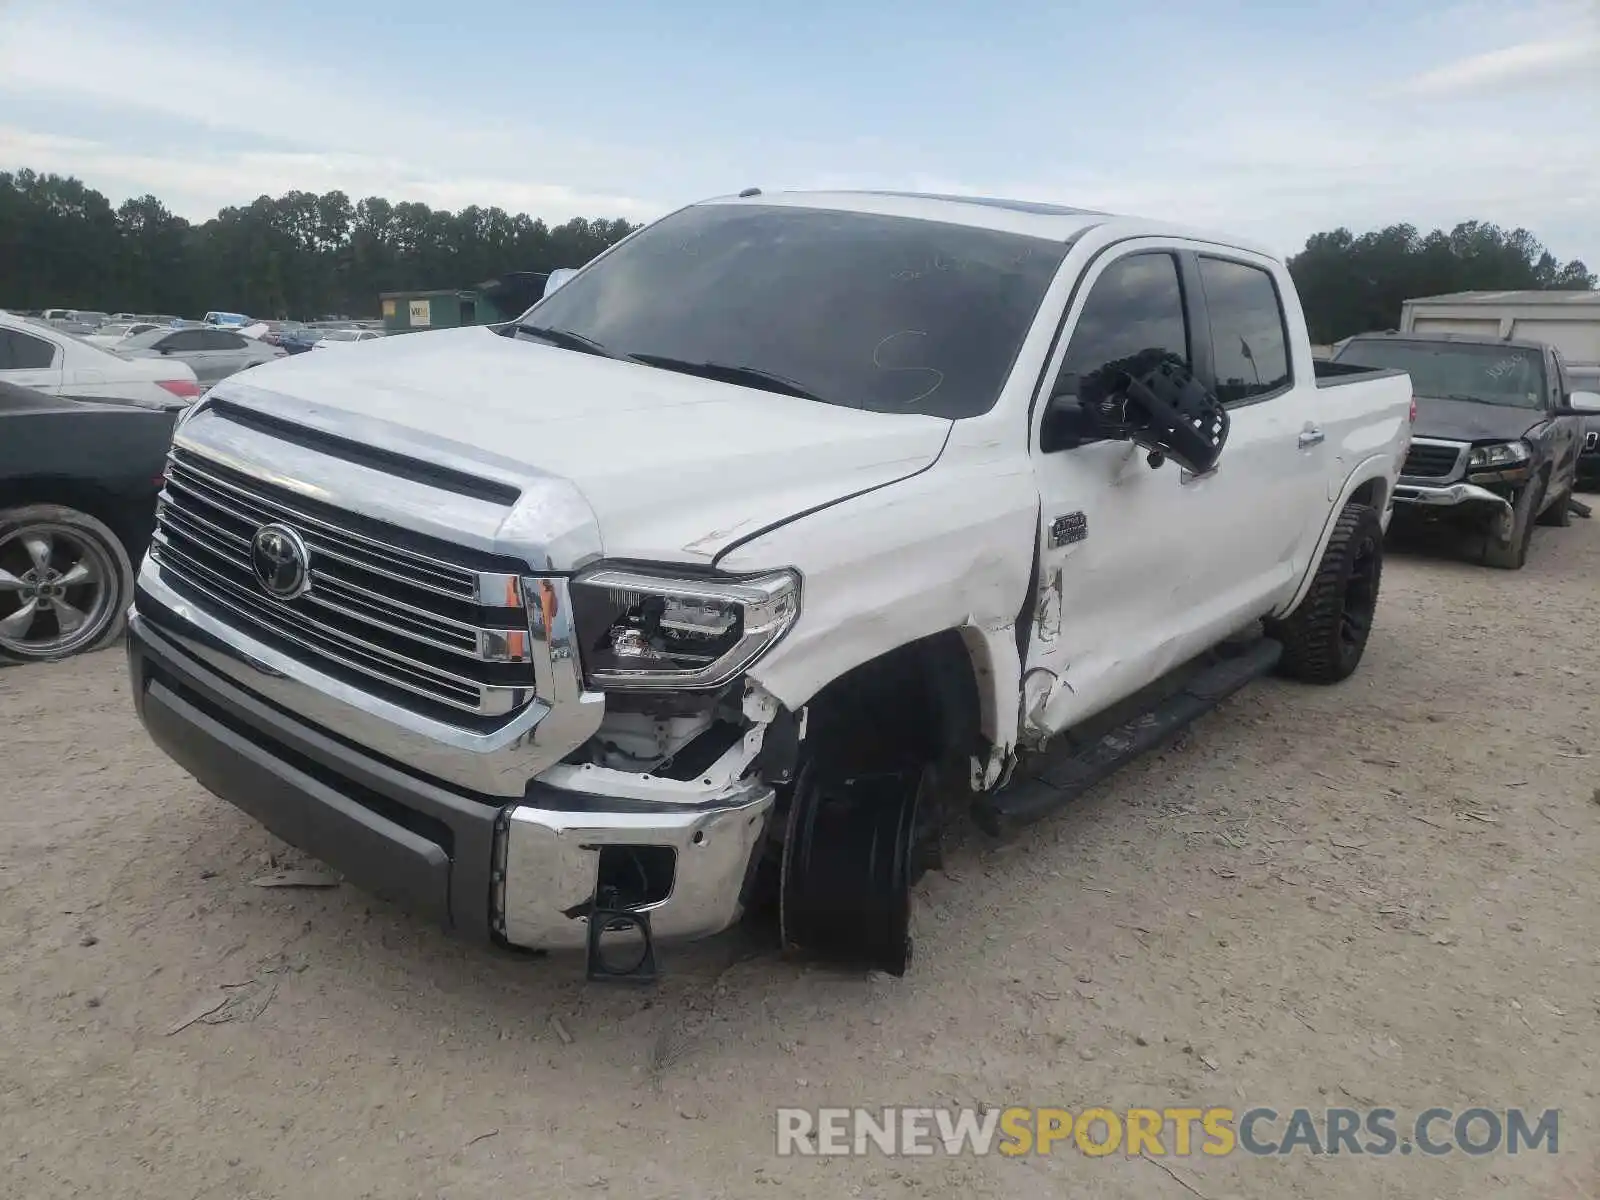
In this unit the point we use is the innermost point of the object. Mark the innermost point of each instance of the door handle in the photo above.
(1310, 437)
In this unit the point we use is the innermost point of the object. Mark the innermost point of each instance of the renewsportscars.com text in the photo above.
(1166, 1132)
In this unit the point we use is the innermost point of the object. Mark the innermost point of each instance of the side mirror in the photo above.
(1067, 424)
(558, 277)
(1580, 404)
(1153, 400)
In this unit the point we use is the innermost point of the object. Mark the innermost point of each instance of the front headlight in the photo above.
(1503, 454)
(641, 630)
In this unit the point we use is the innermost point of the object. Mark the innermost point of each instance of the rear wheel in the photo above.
(65, 583)
(1326, 635)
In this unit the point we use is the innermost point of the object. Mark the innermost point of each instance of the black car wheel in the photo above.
(65, 583)
(1326, 635)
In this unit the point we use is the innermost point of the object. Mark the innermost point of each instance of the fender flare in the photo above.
(1376, 469)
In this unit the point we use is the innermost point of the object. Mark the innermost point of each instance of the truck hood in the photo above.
(1467, 421)
(673, 468)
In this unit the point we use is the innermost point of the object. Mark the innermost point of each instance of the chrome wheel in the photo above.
(59, 587)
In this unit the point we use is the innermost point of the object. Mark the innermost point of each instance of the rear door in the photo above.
(1567, 438)
(30, 361)
(230, 351)
(190, 346)
(1269, 489)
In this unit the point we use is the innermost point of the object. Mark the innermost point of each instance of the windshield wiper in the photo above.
(730, 373)
(567, 340)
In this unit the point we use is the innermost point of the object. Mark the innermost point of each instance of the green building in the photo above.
(450, 308)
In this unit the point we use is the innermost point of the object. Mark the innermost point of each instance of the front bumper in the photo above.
(1449, 495)
(523, 872)
(1464, 499)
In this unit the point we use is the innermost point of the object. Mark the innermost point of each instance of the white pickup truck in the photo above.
(784, 529)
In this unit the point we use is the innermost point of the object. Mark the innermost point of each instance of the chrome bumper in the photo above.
(526, 872)
(549, 865)
(1449, 494)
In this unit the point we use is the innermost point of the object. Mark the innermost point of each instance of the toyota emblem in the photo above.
(280, 561)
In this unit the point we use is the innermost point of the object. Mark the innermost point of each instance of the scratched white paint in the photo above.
(950, 548)
(942, 518)
(1171, 564)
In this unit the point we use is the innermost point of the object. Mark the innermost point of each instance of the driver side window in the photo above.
(1134, 312)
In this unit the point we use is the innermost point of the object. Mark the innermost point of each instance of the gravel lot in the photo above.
(1383, 893)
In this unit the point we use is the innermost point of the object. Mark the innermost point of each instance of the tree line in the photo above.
(300, 255)
(1351, 284)
(64, 245)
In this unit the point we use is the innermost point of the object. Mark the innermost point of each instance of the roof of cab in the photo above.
(1056, 222)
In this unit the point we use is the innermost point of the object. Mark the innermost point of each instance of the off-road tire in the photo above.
(1512, 554)
(1318, 646)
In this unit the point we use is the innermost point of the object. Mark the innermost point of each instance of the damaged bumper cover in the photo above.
(1460, 497)
(524, 871)
(1448, 495)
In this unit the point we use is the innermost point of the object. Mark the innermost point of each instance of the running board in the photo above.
(1055, 779)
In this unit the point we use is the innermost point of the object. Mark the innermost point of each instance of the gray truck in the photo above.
(1499, 431)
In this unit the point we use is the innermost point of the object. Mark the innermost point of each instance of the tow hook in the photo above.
(609, 921)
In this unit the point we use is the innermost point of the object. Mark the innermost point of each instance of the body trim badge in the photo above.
(1064, 530)
(281, 563)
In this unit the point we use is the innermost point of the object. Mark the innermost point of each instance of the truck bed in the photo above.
(1335, 374)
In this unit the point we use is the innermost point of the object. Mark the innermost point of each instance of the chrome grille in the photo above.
(382, 614)
(1430, 460)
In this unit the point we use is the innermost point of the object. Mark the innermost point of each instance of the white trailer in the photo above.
(1569, 321)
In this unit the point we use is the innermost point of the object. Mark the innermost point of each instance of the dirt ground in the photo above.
(1383, 893)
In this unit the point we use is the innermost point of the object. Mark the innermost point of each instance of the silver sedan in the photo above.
(212, 354)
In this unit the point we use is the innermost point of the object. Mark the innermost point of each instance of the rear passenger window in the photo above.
(1249, 345)
(1131, 320)
(19, 352)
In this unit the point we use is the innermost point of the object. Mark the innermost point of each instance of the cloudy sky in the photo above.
(1270, 120)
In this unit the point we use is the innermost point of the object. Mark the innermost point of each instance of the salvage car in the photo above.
(212, 353)
(50, 360)
(1586, 383)
(78, 485)
(1499, 431)
(782, 532)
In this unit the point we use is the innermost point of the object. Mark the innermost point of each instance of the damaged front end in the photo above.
(669, 800)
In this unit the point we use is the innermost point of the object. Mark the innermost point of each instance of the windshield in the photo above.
(1484, 373)
(342, 335)
(876, 312)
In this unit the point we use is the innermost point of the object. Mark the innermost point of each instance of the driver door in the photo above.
(1117, 547)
